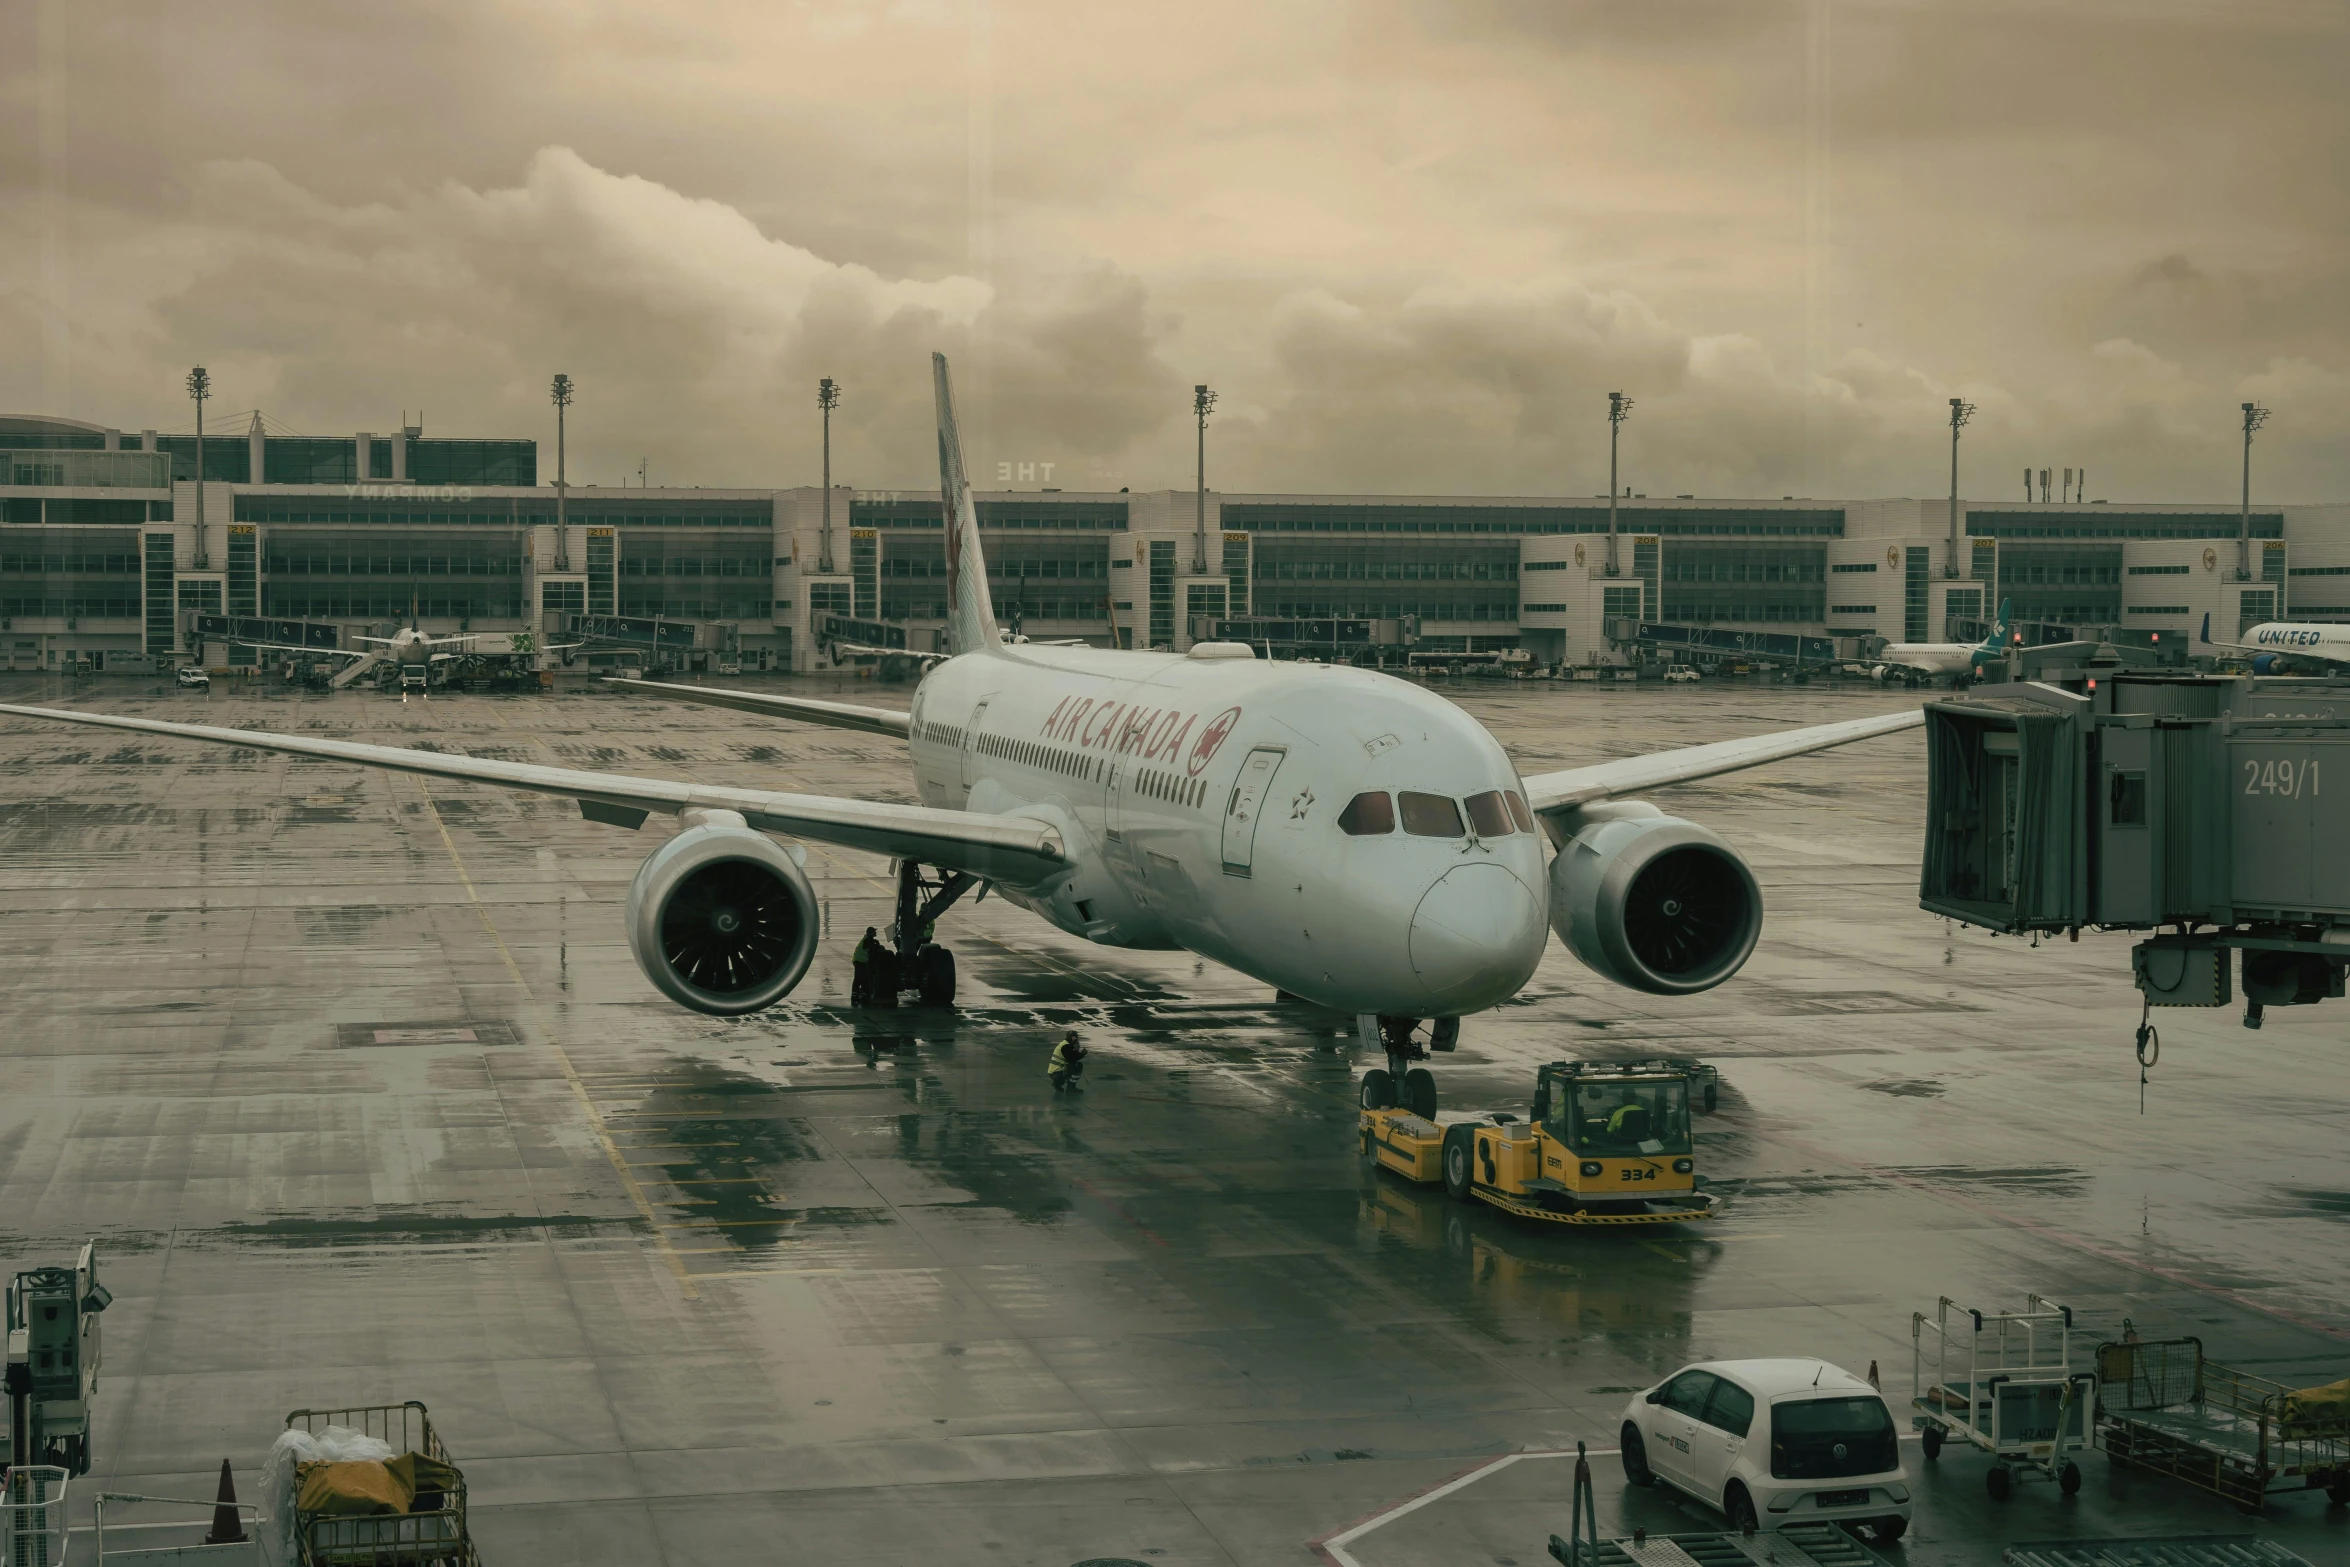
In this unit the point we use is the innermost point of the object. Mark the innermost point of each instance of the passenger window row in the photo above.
(1148, 782)
(1496, 813)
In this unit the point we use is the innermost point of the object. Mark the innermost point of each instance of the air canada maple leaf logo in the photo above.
(1210, 738)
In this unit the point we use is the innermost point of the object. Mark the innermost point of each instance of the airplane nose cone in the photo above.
(1476, 937)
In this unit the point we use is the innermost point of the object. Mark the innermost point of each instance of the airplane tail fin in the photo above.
(971, 626)
(2207, 625)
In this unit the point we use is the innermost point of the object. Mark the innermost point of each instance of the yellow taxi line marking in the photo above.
(563, 1057)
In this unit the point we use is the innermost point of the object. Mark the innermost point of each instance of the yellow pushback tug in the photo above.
(1608, 1143)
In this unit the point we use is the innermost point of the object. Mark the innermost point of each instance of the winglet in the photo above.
(971, 626)
(2206, 626)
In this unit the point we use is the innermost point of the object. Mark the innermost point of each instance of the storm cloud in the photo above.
(1413, 246)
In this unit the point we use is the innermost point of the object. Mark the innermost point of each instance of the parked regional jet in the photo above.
(1339, 834)
(2276, 643)
(1917, 662)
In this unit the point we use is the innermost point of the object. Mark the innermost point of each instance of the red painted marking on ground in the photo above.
(1095, 1193)
(2061, 1237)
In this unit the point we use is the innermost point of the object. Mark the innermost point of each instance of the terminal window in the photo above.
(1162, 584)
(566, 596)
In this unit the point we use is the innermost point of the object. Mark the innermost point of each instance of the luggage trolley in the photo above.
(2006, 1385)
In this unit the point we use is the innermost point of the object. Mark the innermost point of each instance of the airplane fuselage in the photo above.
(1935, 658)
(1201, 802)
(2313, 639)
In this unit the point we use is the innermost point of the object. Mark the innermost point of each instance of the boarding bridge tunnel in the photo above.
(2189, 805)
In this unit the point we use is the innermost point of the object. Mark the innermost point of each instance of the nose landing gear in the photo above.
(1401, 1085)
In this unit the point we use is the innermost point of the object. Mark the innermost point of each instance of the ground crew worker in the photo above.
(864, 968)
(1630, 1119)
(1068, 1063)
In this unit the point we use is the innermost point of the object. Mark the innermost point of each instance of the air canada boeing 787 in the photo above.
(1342, 835)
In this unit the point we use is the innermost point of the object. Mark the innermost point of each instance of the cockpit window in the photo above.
(1518, 809)
(1489, 816)
(1430, 815)
(1366, 814)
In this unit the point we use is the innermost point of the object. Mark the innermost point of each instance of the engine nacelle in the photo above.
(1652, 901)
(722, 918)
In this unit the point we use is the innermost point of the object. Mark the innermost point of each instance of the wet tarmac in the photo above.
(353, 1080)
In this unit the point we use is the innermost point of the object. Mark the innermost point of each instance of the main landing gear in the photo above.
(1401, 1085)
(911, 960)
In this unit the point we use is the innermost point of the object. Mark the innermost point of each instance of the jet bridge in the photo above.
(2189, 805)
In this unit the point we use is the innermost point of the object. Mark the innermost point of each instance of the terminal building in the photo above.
(117, 554)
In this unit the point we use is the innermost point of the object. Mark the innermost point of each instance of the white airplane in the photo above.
(1919, 661)
(1341, 835)
(408, 645)
(2273, 644)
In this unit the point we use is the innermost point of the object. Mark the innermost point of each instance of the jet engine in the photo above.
(722, 918)
(1652, 901)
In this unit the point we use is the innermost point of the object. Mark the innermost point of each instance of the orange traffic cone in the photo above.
(1873, 1382)
(226, 1530)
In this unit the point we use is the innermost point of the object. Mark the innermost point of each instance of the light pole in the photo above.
(2254, 417)
(200, 388)
(1618, 407)
(561, 393)
(1203, 402)
(828, 398)
(1960, 412)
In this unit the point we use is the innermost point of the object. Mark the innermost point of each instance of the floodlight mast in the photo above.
(1618, 407)
(1960, 412)
(2254, 417)
(1203, 402)
(200, 388)
(561, 393)
(827, 399)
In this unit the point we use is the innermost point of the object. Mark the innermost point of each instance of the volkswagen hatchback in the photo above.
(1772, 1442)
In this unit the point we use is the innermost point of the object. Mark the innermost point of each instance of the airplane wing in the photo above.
(833, 715)
(311, 652)
(1017, 850)
(1563, 791)
(863, 650)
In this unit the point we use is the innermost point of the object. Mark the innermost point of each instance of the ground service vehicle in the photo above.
(191, 678)
(52, 1364)
(1772, 1443)
(1681, 674)
(1608, 1143)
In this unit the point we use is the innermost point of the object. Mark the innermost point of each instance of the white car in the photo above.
(1772, 1442)
(1681, 674)
(193, 679)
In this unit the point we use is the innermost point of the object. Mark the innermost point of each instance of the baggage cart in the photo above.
(2003, 1382)
(432, 1533)
(2163, 1407)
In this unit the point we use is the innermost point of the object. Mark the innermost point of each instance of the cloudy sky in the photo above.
(1412, 245)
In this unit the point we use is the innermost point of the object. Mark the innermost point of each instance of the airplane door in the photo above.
(1245, 805)
(1114, 818)
(971, 743)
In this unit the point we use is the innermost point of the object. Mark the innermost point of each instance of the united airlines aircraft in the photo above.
(2276, 643)
(1339, 834)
